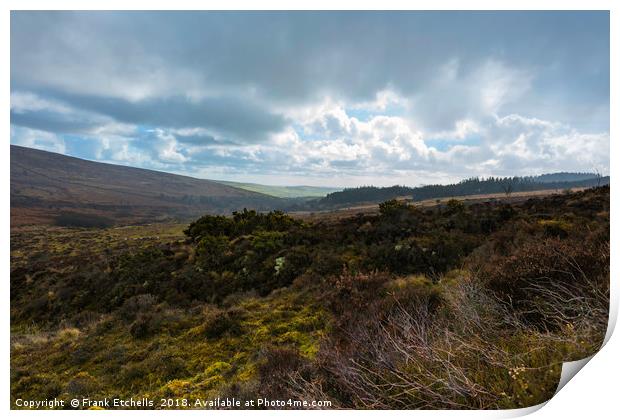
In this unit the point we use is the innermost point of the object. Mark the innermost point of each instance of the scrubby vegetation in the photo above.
(470, 186)
(452, 306)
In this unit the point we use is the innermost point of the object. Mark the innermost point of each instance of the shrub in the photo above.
(146, 324)
(219, 322)
(454, 206)
(556, 228)
(211, 225)
(549, 264)
(133, 373)
(349, 296)
(392, 207)
(82, 385)
(69, 334)
(241, 223)
(136, 305)
(278, 364)
(211, 250)
(506, 212)
(291, 265)
(166, 365)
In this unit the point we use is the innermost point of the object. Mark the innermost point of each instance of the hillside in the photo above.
(295, 191)
(471, 186)
(563, 177)
(49, 188)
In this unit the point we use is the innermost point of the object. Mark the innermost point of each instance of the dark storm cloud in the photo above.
(295, 55)
(55, 122)
(223, 114)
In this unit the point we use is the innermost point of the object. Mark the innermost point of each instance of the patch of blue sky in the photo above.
(444, 144)
(144, 129)
(361, 114)
(366, 114)
(307, 136)
(82, 147)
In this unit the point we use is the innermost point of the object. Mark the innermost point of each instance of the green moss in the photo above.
(556, 227)
(217, 368)
(182, 365)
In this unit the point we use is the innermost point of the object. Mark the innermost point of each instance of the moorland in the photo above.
(453, 304)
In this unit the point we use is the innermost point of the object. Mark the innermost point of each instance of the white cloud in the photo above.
(167, 147)
(463, 95)
(37, 139)
(523, 145)
(28, 101)
(462, 130)
(385, 100)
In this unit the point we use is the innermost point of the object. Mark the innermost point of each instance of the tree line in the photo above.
(469, 186)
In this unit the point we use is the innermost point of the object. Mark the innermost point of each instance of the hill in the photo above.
(296, 191)
(563, 177)
(51, 188)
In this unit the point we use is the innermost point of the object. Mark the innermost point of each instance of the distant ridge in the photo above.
(563, 177)
(471, 186)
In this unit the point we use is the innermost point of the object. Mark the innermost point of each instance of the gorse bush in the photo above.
(219, 322)
(392, 207)
(241, 223)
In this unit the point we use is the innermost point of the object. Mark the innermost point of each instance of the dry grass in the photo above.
(473, 352)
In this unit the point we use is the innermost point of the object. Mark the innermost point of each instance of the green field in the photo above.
(283, 191)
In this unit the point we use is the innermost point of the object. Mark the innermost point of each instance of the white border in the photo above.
(593, 394)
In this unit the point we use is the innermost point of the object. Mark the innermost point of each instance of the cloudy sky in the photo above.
(335, 99)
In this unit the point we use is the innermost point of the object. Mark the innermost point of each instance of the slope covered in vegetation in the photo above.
(471, 186)
(54, 189)
(455, 306)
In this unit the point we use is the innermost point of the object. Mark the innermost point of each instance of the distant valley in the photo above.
(297, 191)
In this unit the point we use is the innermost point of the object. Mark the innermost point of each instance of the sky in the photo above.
(316, 98)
